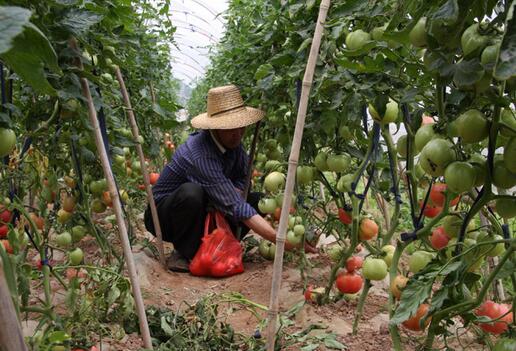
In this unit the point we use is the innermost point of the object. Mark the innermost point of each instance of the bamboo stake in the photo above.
(145, 172)
(11, 336)
(117, 207)
(291, 174)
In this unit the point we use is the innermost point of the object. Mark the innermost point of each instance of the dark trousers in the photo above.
(182, 214)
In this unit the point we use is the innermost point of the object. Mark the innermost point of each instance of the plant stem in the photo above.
(393, 272)
(396, 214)
(360, 306)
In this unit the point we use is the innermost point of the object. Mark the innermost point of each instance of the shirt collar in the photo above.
(219, 145)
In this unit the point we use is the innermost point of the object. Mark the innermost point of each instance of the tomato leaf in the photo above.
(414, 294)
(468, 72)
(79, 21)
(263, 71)
(12, 21)
(506, 66)
(30, 52)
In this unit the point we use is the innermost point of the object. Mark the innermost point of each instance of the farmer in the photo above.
(209, 169)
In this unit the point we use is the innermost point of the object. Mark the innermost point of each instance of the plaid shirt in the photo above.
(218, 171)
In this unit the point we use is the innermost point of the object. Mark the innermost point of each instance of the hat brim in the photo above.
(230, 120)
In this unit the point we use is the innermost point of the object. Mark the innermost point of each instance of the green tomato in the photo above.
(509, 155)
(294, 239)
(64, 239)
(304, 175)
(335, 252)
(389, 254)
(267, 205)
(460, 176)
(344, 183)
(274, 181)
(78, 232)
(417, 34)
(489, 56)
(452, 225)
(472, 126)
(495, 249)
(436, 156)
(401, 146)
(272, 165)
(472, 42)
(267, 249)
(7, 141)
(419, 260)
(390, 115)
(291, 222)
(505, 344)
(377, 32)
(374, 268)
(320, 161)
(76, 256)
(345, 133)
(299, 229)
(507, 119)
(424, 134)
(479, 162)
(506, 207)
(357, 39)
(502, 177)
(338, 163)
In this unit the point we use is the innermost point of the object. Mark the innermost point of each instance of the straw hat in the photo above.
(226, 110)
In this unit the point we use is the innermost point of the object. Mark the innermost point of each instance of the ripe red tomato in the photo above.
(7, 246)
(368, 229)
(437, 195)
(38, 221)
(4, 229)
(413, 322)
(344, 216)
(349, 283)
(5, 216)
(141, 186)
(495, 310)
(153, 178)
(308, 293)
(439, 239)
(430, 210)
(353, 263)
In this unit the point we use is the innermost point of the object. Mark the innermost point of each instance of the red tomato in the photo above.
(439, 239)
(344, 216)
(7, 246)
(277, 213)
(308, 293)
(38, 221)
(349, 283)
(153, 178)
(368, 229)
(495, 310)
(413, 322)
(427, 120)
(430, 211)
(353, 263)
(219, 269)
(437, 195)
(141, 186)
(5, 216)
(4, 229)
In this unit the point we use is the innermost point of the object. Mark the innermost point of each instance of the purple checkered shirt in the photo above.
(199, 160)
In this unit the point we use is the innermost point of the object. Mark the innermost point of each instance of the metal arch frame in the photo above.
(191, 58)
(189, 65)
(187, 69)
(195, 48)
(191, 28)
(195, 26)
(188, 13)
(185, 75)
(216, 15)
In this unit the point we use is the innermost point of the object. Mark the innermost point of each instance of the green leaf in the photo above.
(58, 337)
(29, 55)
(448, 13)
(331, 343)
(468, 72)
(12, 21)
(506, 65)
(79, 21)
(263, 71)
(304, 44)
(309, 347)
(414, 294)
(167, 329)
(438, 299)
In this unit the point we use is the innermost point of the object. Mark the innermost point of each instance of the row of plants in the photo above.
(412, 108)
(57, 230)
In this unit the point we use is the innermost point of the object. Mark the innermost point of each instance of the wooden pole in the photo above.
(117, 207)
(291, 174)
(145, 172)
(11, 336)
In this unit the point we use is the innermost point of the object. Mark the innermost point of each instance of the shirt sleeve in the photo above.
(208, 173)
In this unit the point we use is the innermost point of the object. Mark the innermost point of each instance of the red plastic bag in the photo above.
(220, 254)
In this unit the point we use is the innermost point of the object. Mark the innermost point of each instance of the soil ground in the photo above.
(163, 288)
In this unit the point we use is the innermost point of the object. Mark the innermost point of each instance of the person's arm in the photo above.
(261, 227)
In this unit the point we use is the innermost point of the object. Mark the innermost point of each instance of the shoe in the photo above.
(178, 263)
